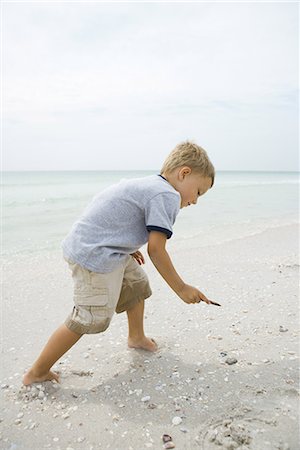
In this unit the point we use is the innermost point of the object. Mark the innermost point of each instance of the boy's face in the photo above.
(190, 185)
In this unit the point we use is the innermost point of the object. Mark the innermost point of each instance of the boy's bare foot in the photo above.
(30, 377)
(144, 344)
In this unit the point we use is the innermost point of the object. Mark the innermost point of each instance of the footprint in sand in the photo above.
(241, 434)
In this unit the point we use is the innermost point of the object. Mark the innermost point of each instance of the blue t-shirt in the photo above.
(118, 220)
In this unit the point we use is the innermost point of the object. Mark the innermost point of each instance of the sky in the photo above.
(115, 86)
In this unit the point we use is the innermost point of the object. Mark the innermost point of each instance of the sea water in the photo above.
(39, 208)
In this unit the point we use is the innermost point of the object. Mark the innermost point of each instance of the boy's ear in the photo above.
(185, 170)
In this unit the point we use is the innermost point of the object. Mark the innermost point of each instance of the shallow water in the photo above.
(40, 207)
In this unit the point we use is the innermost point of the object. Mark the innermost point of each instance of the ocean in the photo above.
(39, 208)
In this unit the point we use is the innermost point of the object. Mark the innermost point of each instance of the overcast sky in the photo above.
(91, 86)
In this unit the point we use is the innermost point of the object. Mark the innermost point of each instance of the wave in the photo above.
(42, 201)
(217, 182)
(256, 183)
(237, 231)
(54, 183)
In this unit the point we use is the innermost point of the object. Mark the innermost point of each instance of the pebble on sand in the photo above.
(231, 361)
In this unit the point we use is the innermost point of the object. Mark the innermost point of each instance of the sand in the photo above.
(119, 398)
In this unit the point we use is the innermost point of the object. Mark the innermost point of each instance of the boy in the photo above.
(102, 252)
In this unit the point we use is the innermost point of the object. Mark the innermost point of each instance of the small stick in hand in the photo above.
(214, 303)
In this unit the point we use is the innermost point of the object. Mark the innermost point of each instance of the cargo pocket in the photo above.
(92, 297)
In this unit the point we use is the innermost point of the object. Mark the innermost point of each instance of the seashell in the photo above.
(176, 420)
(34, 391)
(166, 438)
(152, 406)
(169, 444)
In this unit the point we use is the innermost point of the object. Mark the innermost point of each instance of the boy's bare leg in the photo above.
(59, 343)
(136, 336)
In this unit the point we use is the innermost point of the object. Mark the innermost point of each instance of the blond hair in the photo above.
(192, 155)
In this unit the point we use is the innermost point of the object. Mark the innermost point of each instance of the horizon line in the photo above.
(140, 170)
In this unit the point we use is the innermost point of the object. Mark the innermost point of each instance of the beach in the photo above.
(97, 97)
(223, 377)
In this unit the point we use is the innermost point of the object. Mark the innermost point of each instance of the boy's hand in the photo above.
(190, 294)
(138, 257)
(162, 261)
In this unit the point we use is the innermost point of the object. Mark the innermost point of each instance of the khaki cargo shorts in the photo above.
(98, 295)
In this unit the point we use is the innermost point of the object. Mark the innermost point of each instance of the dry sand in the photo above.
(119, 398)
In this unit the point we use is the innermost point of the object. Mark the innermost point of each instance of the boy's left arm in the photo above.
(162, 261)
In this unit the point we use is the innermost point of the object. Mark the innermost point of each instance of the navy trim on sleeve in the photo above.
(162, 230)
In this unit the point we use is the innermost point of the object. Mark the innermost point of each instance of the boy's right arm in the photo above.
(162, 261)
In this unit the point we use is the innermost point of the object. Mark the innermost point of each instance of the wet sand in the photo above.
(223, 378)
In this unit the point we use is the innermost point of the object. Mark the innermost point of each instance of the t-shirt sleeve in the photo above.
(161, 212)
